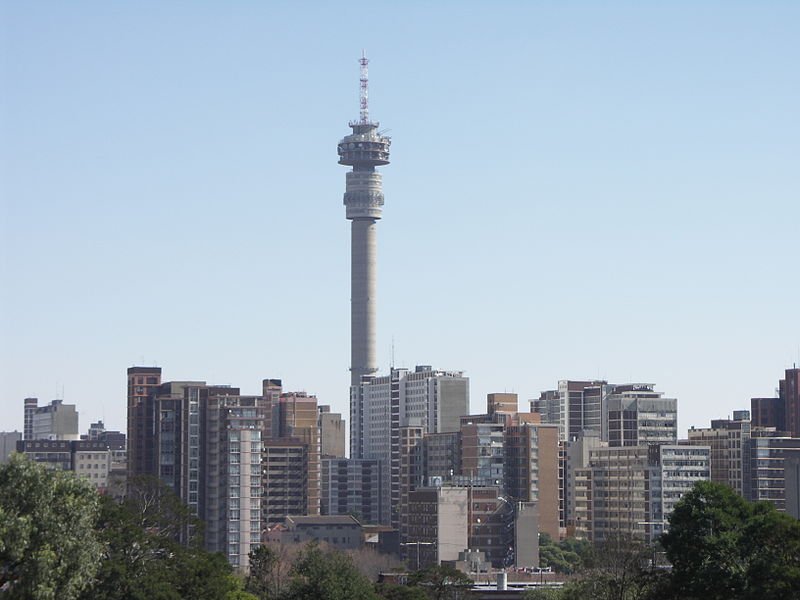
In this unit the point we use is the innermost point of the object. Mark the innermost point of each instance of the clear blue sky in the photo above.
(577, 190)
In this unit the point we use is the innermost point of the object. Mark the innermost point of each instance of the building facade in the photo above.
(351, 486)
(729, 441)
(54, 421)
(768, 453)
(635, 415)
(431, 399)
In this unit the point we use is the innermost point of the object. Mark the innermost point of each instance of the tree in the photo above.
(567, 556)
(442, 583)
(722, 546)
(142, 559)
(327, 575)
(48, 545)
(621, 571)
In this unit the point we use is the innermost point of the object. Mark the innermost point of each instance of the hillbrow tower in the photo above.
(364, 149)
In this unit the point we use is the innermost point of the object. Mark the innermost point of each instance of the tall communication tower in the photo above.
(364, 149)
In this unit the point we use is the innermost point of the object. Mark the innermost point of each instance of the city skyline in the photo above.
(576, 193)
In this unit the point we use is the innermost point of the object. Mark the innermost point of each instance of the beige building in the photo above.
(54, 421)
(729, 441)
(92, 461)
(331, 433)
(631, 491)
(437, 525)
(531, 470)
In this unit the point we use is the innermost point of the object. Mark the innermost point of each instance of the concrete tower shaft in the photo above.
(364, 149)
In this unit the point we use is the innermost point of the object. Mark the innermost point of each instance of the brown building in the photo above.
(502, 403)
(285, 464)
(729, 441)
(295, 419)
(768, 412)
(142, 419)
(789, 390)
(531, 470)
(783, 412)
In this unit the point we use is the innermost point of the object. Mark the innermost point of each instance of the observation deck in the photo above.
(365, 147)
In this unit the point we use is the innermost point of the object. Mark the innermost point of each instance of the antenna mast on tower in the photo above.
(364, 97)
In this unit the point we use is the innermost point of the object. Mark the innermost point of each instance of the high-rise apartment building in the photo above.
(729, 441)
(425, 397)
(296, 418)
(674, 469)
(635, 415)
(54, 421)
(576, 406)
(233, 486)
(782, 412)
(351, 486)
(768, 453)
(30, 406)
(630, 491)
(789, 390)
(531, 471)
(768, 412)
(208, 444)
(483, 451)
(576, 454)
(285, 465)
(142, 419)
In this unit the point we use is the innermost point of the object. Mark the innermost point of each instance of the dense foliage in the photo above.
(567, 556)
(48, 546)
(722, 546)
(60, 540)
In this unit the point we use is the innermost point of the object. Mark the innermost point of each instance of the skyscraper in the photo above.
(364, 149)
(431, 399)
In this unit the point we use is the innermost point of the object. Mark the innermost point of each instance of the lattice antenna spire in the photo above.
(364, 96)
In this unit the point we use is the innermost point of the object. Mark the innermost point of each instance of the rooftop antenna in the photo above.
(392, 367)
(364, 96)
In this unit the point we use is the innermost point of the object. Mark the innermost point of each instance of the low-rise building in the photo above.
(342, 532)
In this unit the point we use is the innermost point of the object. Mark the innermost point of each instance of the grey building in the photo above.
(767, 466)
(351, 486)
(30, 405)
(431, 399)
(54, 421)
(791, 473)
(635, 415)
(342, 532)
(576, 406)
(729, 441)
(632, 490)
(8, 444)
